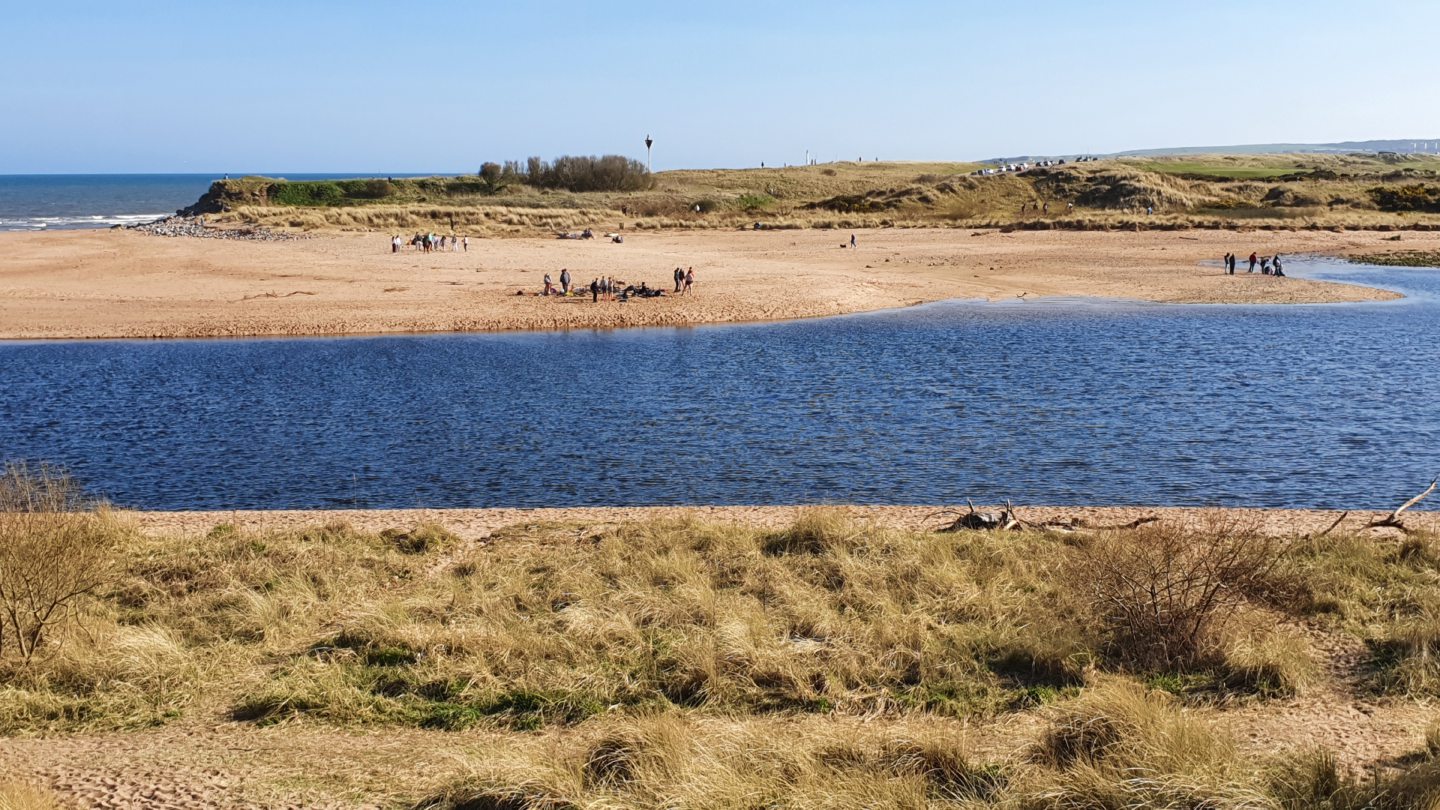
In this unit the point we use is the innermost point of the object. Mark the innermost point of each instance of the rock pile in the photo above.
(195, 227)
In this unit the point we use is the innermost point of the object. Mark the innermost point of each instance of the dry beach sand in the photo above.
(112, 284)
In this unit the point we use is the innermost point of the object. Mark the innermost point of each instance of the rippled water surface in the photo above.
(1062, 402)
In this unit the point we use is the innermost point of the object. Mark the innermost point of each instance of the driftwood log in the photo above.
(1331, 527)
(1393, 520)
(1007, 520)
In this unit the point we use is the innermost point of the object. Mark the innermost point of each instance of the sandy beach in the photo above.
(476, 525)
(119, 284)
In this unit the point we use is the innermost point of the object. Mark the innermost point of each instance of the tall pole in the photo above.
(648, 143)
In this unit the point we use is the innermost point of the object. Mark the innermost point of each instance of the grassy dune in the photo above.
(827, 664)
(1267, 191)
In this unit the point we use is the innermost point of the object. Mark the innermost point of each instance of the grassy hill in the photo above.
(1283, 191)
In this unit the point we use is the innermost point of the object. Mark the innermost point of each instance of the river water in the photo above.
(1049, 402)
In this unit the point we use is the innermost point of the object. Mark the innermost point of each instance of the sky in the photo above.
(430, 85)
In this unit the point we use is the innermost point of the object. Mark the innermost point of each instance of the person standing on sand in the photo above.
(465, 240)
(852, 241)
(689, 280)
(564, 281)
(679, 278)
(549, 287)
(1278, 271)
(594, 290)
(1253, 261)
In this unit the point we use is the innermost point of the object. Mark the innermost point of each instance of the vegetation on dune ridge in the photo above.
(1401, 258)
(1254, 191)
(685, 663)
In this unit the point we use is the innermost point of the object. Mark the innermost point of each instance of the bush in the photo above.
(754, 202)
(492, 175)
(55, 552)
(608, 173)
(375, 189)
(1161, 596)
(306, 193)
(1415, 197)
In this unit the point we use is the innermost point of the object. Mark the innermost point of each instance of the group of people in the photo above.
(1269, 265)
(1044, 207)
(431, 243)
(684, 278)
(607, 288)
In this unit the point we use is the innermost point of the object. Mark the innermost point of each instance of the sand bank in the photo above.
(113, 284)
(477, 524)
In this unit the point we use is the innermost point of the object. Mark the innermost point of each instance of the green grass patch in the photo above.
(1221, 171)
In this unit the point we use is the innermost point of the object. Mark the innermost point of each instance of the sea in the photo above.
(46, 202)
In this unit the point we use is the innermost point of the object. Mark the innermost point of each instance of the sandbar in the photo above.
(126, 284)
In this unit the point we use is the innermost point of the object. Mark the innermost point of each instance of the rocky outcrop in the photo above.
(226, 195)
(194, 227)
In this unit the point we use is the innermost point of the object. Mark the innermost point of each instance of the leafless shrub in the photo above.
(1161, 595)
(55, 551)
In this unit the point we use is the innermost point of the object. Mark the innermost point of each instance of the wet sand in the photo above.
(118, 284)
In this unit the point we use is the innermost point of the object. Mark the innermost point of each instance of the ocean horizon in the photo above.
(46, 202)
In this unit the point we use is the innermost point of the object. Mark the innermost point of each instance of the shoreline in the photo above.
(476, 524)
(79, 285)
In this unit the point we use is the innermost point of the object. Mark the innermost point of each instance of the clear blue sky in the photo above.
(305, 85)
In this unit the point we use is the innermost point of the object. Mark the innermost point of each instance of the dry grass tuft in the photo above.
(1123, 746)
(1314, 779)
(1259, 655)
(670, 761)
(17, 796)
